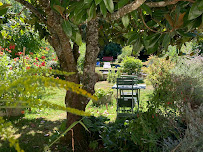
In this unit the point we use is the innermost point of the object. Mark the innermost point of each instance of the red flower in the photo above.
(40, 66)
(10, 68)
(23, 112)
(19, 53)
(50, 68)
(43, 57)
(9, 51)
(168, 103)
(12, 47)
(43, 63)
(27, 57)
(153, 116)
(31, 53)
(27, 68)
(37, 59)
(1, 53)
(57, 77)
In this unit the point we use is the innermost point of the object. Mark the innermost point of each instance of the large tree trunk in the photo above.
(68, 60)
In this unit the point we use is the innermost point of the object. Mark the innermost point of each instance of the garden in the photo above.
(54, 96)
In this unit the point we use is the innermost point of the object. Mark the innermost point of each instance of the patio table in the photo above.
(129, 87)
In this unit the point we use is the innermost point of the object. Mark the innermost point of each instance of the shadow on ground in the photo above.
(32, 134)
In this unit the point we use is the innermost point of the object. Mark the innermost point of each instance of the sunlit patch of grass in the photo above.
(111, 111)
(55, 96)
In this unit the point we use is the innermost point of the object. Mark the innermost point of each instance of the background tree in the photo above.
(152, 25)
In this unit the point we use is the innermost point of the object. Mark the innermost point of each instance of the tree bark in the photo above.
(68, 63)
(92, 51)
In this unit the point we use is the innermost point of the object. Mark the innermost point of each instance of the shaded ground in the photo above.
(32, 134)
(35, 129)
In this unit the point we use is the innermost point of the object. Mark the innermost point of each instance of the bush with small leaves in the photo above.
(131, 65)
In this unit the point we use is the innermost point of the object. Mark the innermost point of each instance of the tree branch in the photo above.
(126, 9)
(146, 24)
(165, 3)
(137, 3)
(32, 9)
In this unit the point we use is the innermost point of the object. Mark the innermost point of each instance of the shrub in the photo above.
(143, 133)
(126, 51)
(112, 75)
(131, 65)
(179, 91)
(103, 97)
(100, 75)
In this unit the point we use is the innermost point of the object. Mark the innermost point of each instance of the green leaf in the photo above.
(91, 11)
(81, 17)
(4, 9)
(154, 40)
(188, 34)
(151, 43)
(109, 5)
(146, 8)
(84, 126)
(78, 38)
(200, 6)
(135, 15)
(138, 46)
(103, 9)
(151, 23)
(65, 3)
(195, 11)
(125, 20)
(69, 128)
(97, 2)
(79, 8)
(129, 34)
(160, 13)
(202, 19)
(132, 38)
(166, 41)
(88, 1)
(67, 28)
(59, 8)
(122, 3)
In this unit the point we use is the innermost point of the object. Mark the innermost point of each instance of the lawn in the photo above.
(35, 129)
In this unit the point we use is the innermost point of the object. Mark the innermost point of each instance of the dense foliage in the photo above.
(22, 85)
(104, 97)
(131, 65)
(111, 49)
